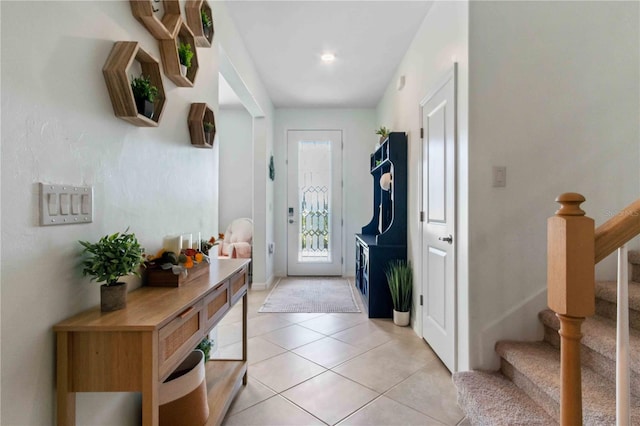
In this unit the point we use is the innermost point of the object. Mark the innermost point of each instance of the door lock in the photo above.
(448, 239)
(291, 220)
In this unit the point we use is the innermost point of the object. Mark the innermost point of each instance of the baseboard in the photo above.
(266, 285)
(518, 323)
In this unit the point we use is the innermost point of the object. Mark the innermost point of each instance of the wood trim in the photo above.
(617, 231)
(161, 29)
(198, 114)
(115, 72)
(65, 396)
(192, 11)
(171, 59)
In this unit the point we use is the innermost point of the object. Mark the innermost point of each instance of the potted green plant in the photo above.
(144, 94)
(207, 24)
(383, 132)
(185, 54)
(400, 280)
(205, 346)
(112, 257)
(209, 128)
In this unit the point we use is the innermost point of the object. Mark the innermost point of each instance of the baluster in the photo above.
(571, 293)
(623, 416)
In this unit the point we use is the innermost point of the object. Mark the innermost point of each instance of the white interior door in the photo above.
(314, 209)
(438, 112)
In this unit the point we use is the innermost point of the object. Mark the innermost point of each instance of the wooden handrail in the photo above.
(617, 231)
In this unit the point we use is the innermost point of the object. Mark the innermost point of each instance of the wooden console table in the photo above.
(135, 349)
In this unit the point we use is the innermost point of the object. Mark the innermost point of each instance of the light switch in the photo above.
(499, 176)
(65, 204)
(75, 204)
(52, 204)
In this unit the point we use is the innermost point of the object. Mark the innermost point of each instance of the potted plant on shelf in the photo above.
(400, 280)
(207, 24)
(111, 258)
(144, 94)
(186, 54)
(209, 127)
(383, 132)
(205, 346)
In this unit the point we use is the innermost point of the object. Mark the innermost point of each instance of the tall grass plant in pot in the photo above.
(111, 258)
(400, 280)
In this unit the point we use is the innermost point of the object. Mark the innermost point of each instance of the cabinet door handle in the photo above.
(186, 312)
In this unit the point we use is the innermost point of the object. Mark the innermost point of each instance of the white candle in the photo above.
(172, 243)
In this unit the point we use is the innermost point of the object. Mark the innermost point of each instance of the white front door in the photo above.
(314, 209)
(438, 113)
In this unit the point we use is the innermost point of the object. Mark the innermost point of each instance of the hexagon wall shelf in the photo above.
(193, 10)
(115, 73)
(171, 59)
(198, 115)
(162, 29)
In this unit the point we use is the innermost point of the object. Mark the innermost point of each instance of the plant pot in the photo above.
(183, 70)
(382, 138)
(183, 396)
(401, 318)
(144, 107)
(207, 32)
(113, 297)
(208, 137)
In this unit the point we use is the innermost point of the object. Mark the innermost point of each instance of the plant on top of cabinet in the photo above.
(145, 94)
(200, 21)
(383, 132)
(111, 258)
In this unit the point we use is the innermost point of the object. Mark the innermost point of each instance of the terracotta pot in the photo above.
(401, 318)
(113, 297)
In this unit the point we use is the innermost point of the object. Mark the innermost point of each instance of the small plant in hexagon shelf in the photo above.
(209, 128)
(206, 23)
(111, 258)
(145, 94)
(185, 54)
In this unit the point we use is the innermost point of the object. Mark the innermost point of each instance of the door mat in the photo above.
(321, 295)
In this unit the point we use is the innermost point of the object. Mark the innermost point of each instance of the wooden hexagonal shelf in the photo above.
(171, 59)
(162, 29)
(193, 10)
(200, 114)
(115, 72)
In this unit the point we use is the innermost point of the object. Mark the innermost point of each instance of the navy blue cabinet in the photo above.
(385, 237)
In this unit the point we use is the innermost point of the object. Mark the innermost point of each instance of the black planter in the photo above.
(144, 107)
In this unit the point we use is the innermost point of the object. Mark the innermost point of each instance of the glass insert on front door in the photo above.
(314, 197)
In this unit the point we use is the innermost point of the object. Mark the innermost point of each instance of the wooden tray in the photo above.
(165, 278)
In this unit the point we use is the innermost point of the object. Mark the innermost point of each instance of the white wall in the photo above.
(553, 97)
(242, 66)
(59, 127)
(235, 138)
(441, 40)
(358, 133)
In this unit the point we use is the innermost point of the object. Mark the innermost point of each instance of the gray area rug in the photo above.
(326, 295)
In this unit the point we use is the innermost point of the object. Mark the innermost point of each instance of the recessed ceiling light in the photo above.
(328, 57)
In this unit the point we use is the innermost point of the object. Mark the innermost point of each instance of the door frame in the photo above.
(341, 241)
(451, 74)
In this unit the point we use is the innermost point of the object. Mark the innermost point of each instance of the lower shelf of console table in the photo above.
(135, 349)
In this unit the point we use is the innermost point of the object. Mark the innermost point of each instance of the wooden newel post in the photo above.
(571, 293)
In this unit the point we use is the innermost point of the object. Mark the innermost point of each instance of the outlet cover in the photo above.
(65, 204)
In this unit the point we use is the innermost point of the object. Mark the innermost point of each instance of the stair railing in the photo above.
(573, 249)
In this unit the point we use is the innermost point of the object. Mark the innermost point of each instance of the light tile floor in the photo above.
(346, 369)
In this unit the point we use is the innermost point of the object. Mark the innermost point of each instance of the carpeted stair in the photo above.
(526, 389)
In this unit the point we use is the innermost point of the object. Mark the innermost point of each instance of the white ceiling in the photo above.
(286, 39)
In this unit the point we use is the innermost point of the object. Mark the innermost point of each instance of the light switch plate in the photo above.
(65, 204)
(499, 176)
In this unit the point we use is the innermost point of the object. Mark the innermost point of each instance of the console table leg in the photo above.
(245, 308)
(65, 399)
(150, 407)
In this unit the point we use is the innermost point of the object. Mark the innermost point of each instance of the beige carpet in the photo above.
(305, 294)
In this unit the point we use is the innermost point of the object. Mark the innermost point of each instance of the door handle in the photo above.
(291, 221)
(448, 239)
